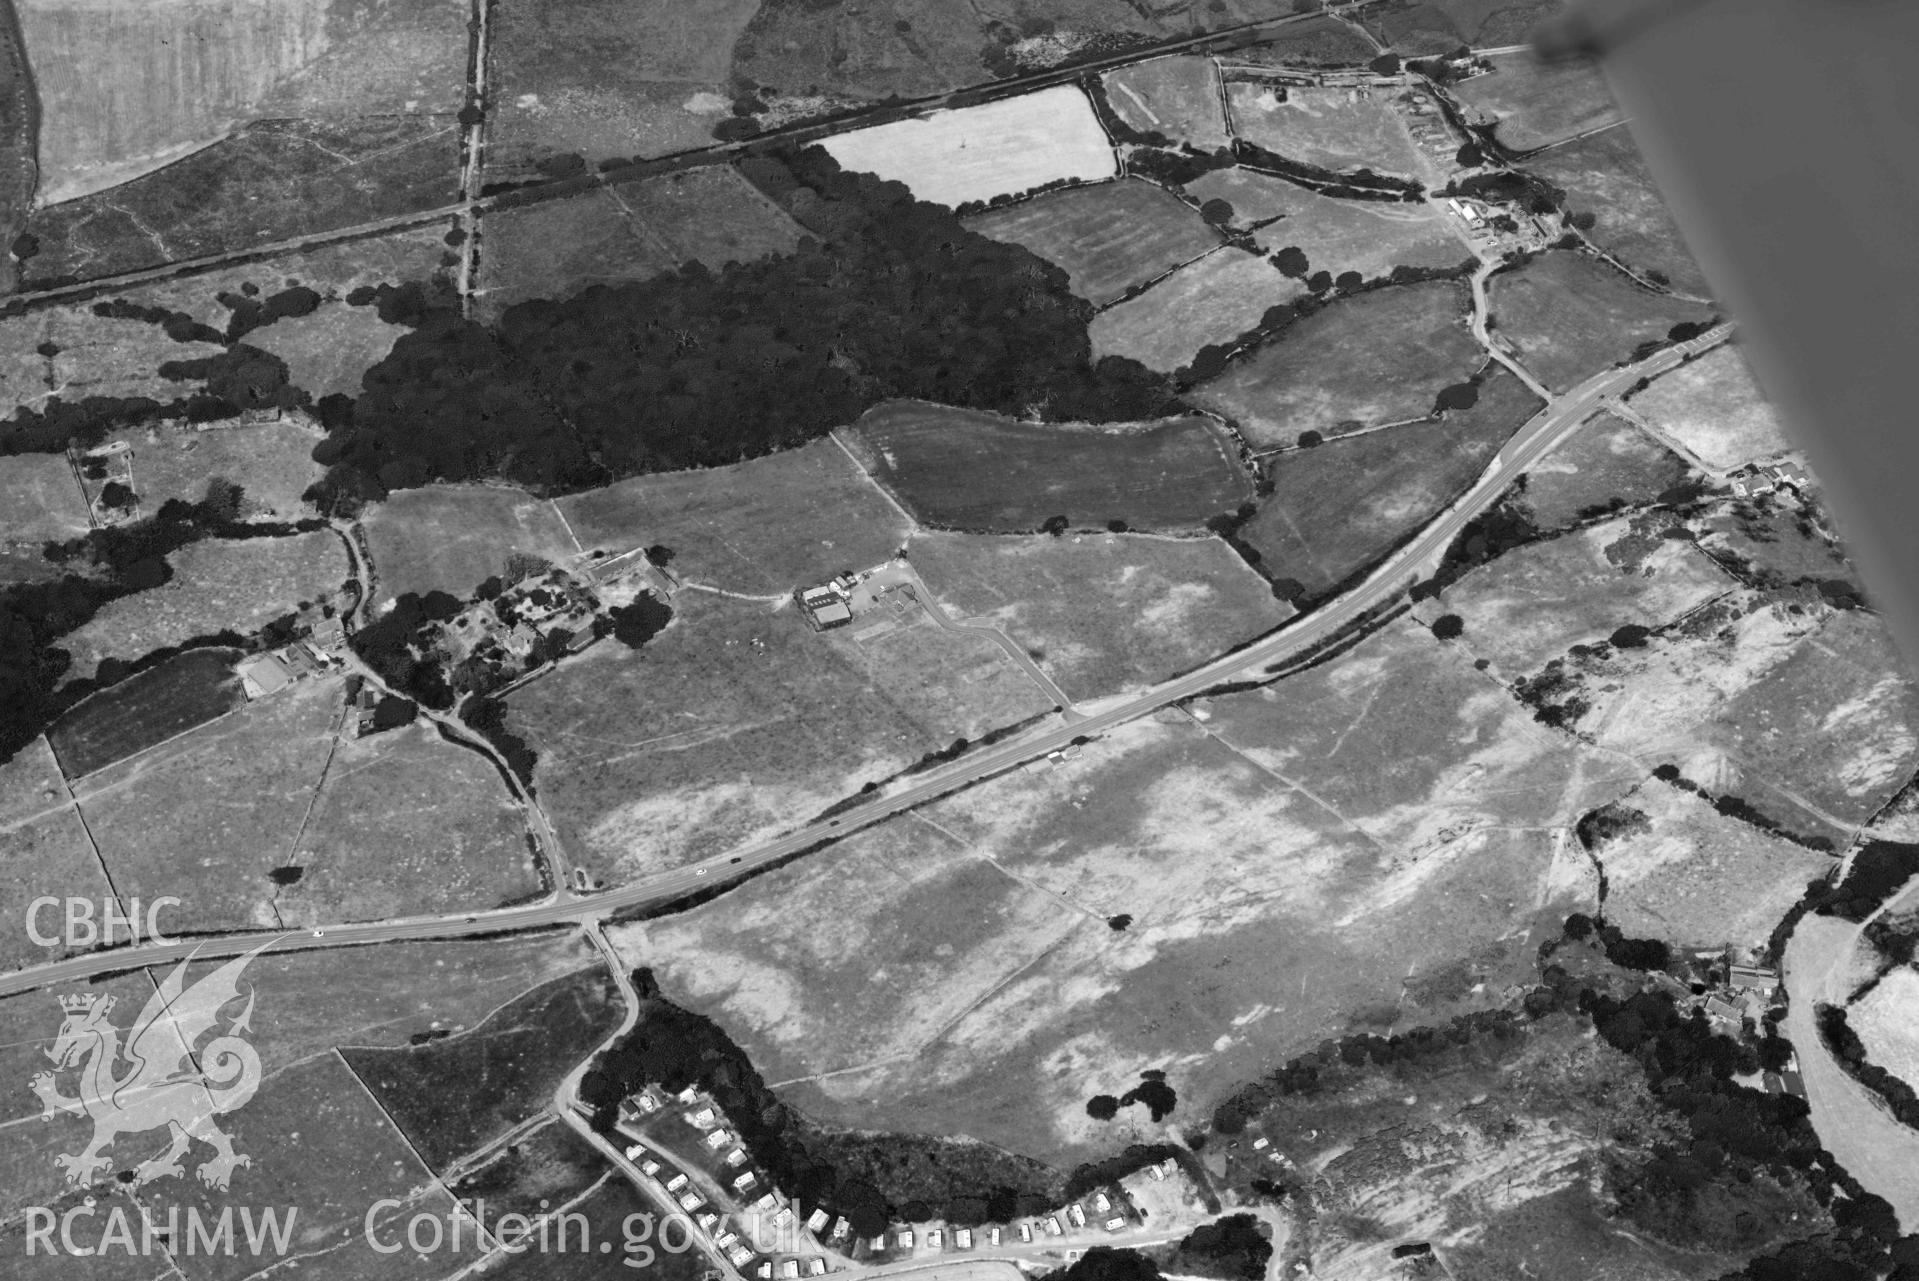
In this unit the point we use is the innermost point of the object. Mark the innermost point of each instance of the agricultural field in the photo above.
(1696, 878)
(435, 815)
(1035, 1002)
(1535, 103)
(1605, 175)
(607, 78)
(1110, 239)
(1832, 730)
(551, 1164)
(329, 351)
(1367, 236)
(1535, 602)
(128, 87)
(1607, 459)
(27, 1023)
(1375, 358)
(1775, 542)
(218, 584)
(1423, 27)
(180, 693)
(765, 526)
(1713, 408)
(613, 1210)
(1177, 98)
(739, 722)
(1457, 756)
(1212, 301)
(215, 813)
(30, 784)
(984, 473)
(561, 247)
(320, 1145)
(40, 500)
(1315, 42)
(271, 462)
(455, 1095)
(273, 180)
(1887, 1021)
(1338, 508)
(398, 994)
(45, 854)
(450, 538)
(332, 271)
(1102, 613)
(995, 149)
(1336, 129)
(70, 354)
(1569, 316)
(631, 232)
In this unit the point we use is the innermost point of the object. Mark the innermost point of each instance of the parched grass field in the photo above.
(450, 538)
(769, 525)
(213, 813)
(333, 271)
(1537, 103)
(1535, 602)
(1337, 508)
(387, 996)
(30, 783)
(1833, 729)
(1605, 175)
(40, 499)
(1606, 458)
(92, 356)
(1366, 236)
(976, 153)
(1698, 878)
(739, 722)
(127, 86)
(455, 1095)
(1109, 239)
(1102, 613)
(613, 1209)
(985, 473)
(321, 1147)
(1570, 316)
(185, 691)
(1378, 357)
(1713, 407)
(608, 78)
(28, 1024)
(218, 584)
(46, 854)
(1177, 97)
(1337, 129)
(271, 462)
(1214, 300)
(1256, 196)
(1887, 1020)
(329, 351)
(436, 816)
(991, 998)
(630, 232)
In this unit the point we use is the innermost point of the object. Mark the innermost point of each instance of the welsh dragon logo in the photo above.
(164, 1077)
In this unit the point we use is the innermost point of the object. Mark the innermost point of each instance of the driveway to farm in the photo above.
(1850, 1120)
(1262, 658)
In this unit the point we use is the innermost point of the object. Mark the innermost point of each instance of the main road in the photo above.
(1528, 445)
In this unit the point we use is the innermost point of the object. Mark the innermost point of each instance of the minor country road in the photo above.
(1530, 443)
